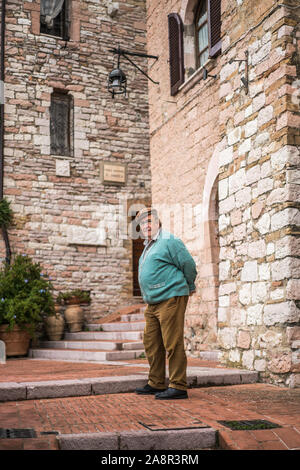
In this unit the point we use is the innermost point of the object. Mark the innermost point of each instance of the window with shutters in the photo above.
(61, 124)
(54, 18)
(201, 37)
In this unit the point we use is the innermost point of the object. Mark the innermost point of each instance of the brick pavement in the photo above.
(126, 411)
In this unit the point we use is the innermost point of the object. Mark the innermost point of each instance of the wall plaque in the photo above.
(113, 173)
(62, 168)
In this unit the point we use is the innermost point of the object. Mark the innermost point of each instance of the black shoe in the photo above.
(148, 390)
(171, 394)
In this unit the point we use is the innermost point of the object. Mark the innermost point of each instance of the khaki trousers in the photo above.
(164, 333)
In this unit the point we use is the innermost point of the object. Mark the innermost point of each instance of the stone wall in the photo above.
(244, 141)
(258, 318)
(66, 218)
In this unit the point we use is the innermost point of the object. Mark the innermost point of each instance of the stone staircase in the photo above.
(115, 341)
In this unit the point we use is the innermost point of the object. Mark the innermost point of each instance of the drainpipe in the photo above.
(2, 77)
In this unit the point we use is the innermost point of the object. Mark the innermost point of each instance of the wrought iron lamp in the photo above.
(117, 79)
(206, 74)
(245, 79)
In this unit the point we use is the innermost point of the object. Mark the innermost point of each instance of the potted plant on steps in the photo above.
(55, 324)
(25, 297)
(74, 314)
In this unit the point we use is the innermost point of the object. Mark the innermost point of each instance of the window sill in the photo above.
(62, 157)
(50, 36)
(197, 76)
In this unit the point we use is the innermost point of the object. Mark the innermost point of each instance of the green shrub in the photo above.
(25, 294)
(6, 213)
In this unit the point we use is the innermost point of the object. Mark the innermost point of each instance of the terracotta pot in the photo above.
(73, 300)
(55, 326)
(16, 341)
(57, 308)
(74, 317)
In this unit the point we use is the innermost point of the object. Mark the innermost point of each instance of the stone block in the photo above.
(253, 174)
(257, 249)
(223, 188)
(260, 365)
(251, 128)
(285, 268)
(226, 156)
(186, 439)
(289, 216)
(244, 147)
(227, 337)
(264, 272)
(259, 292)
(57, 389)
(258, 102)
(265, 115)
(281, 313)
(89, 441)
(224, 270)
(254, 314)
(248, 359)
(249, 271)
(117, 384)
(234, 136)
(245, 294)
(244, 339)
(257, 209)
(293, 289)
(11, 391)
(243, 197)
(281, 363)
(249, 377)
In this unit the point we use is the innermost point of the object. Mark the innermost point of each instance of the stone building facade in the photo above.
(224, 150)
(72, 185)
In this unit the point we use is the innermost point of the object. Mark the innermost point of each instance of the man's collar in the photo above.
(154, 238)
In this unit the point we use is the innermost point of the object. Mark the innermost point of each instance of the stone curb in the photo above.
(12, 391)
(185, 439)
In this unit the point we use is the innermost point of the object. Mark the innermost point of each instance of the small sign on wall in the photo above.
(113, 173)
(62, 168)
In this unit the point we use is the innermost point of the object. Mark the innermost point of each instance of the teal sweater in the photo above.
(166, 269)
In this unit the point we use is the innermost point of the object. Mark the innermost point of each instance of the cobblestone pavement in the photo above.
(128, 411)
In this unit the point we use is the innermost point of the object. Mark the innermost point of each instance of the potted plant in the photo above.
(74, 314)
(55, 324)
(25, 297)
(74, 297)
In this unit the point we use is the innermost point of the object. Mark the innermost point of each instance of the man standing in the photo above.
(167, 274)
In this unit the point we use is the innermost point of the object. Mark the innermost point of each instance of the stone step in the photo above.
(83, 355)
(117, 326)
(105, 335)
(133, 317)
(133, 345)
(196, 377)
(142, 440)
(97, 345)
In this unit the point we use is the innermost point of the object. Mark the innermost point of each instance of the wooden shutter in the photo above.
(176, 52)
(214, 24)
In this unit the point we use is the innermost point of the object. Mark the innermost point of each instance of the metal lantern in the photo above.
(117, 82)
(117, 79)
